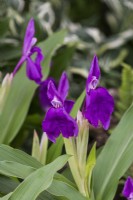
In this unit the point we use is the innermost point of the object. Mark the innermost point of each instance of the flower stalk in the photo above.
(78, 148)
(73, 161)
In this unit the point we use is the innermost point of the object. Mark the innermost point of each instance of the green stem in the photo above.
(73, 163)
(77, 162)
(82, 155)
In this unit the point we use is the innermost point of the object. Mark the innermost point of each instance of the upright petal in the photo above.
(43, 98)
(39, 55)
(99, 107)
(94, 75)
(28, 39)
(58, 121)
(63, 86)
(54, 96)
(94, 69)
(33, 71)
(38, 59)
(128, 188)
(68, 105)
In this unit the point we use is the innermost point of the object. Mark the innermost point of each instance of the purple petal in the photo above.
(58, 121)
(63, 86)
(33, 71)
(68, 105)
(29, 39)
(33, 41)
(128, 188)
(94, 75)
(99, 107)
(43, 98)
(94, 69)
(54, 96)
(38, 59)
(39, 56)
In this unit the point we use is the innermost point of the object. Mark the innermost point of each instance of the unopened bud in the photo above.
(4, 89)
(7, 80)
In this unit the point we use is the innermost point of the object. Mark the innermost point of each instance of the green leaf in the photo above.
(39, 180)
(46, 195)
(36, 147)
(48, 47)
(91, 161)
(55, 150)
(14, 155)
(15, 169)
(6, 197)
(43, 148)
(61, 61)
(61, 177)
(115, 158)
(126, 89)
(78, 104)
(60, 188)
(7, 184)
(16, 106)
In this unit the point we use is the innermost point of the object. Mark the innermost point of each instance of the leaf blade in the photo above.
(16, 106)
(40, 180)
(49, 47)
(14, 155)
(117, 157)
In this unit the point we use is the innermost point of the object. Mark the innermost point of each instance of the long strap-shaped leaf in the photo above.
(38, 181)
(16, 106)
(8, 153)
(49, 47)
(115, 158)
(60, 188)
(6, 197)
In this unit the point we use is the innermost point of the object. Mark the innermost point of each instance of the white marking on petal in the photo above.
(93, 84)
(56, 102)
(131, 196)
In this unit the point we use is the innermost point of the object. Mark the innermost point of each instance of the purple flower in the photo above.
(99, 104)
(128, 189)
(44, 99)
(33, 66)
(57, 119)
